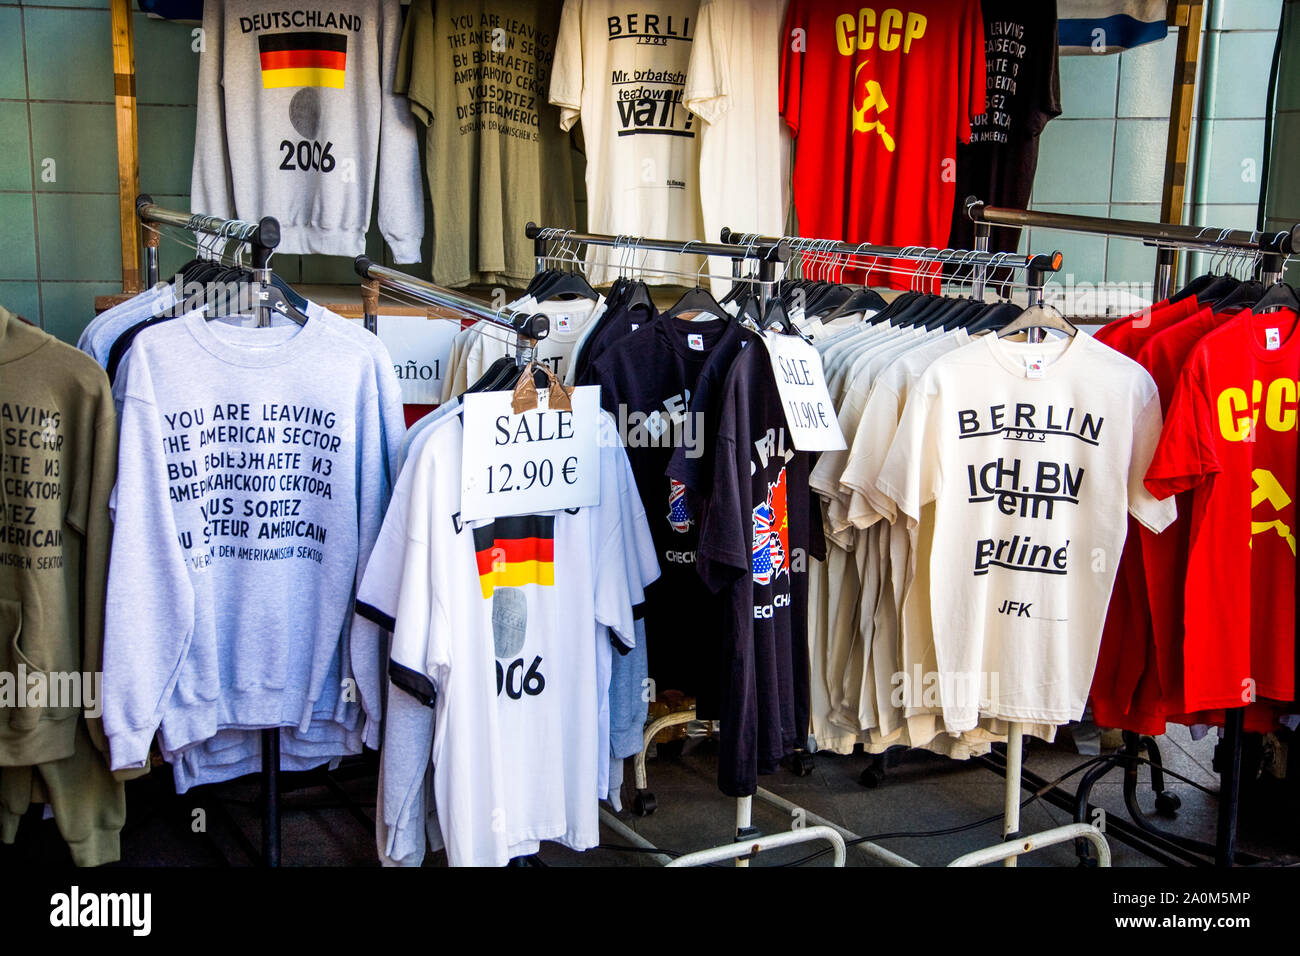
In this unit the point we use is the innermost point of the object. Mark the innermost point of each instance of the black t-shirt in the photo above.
(617, 322)
(695, 471)
(1023, 88)
(760, 528)
(646, 380)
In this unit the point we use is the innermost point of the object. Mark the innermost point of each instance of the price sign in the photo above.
(801, 382)
(538, 461)
(420, 348)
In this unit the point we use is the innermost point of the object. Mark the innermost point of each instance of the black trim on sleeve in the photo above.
(376, 616)
(413, 682)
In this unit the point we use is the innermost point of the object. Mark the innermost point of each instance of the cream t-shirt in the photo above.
(1033, 454)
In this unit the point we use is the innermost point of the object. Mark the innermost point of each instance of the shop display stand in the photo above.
(1269, 252)
(767, 251)
(261, 238)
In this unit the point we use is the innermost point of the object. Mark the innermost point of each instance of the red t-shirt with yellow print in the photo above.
(877, 96)
(1230, 438)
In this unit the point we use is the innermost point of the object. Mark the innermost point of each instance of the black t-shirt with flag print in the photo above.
(646, 381)
(760, 527)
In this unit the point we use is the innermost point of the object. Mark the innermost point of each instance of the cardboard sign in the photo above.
(801, 382)
(420, 348)
(538, 461)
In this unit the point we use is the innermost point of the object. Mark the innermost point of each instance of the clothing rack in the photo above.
(529, 329)
(768, 251)
(981, 261)
(1272, 251)
(262, 238)
(1272, 248)
(1037, 268)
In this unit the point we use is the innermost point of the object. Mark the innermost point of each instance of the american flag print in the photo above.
(771, 534)
(679, 517)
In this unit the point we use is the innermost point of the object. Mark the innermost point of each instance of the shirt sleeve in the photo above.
(417, 62)
(212, 190)
(1185, 455)
(723, 554)
(870, 448)
(708, 77)
(792, 54)
(971, 66)
(621, 534)
(566, 75)
(149, 609)
(88, 514)
(365, 646)
(401, 193)
(1154, 514)
(910, 475)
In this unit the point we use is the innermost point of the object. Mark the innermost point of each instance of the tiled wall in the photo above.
(1104, 156)
(59, 245)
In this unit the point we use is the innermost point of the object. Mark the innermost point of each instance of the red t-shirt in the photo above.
(1164, 555)
(1230, 438)
(1127, 671)
(877, 98)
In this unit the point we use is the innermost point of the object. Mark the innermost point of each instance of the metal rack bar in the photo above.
(1273, 247)
(1042, 263)
(763, 249)
(528, 327)
(1284, 242)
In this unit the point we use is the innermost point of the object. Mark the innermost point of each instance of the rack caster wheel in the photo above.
(643, 804)
(801, 764)
(871, 778)
(1167, 803)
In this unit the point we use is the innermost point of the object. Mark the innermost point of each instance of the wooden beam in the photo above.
(1186, 15)
(128, 142)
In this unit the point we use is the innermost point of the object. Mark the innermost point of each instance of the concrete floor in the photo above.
(920, 792)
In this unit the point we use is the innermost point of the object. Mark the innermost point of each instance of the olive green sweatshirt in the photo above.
(58, 462)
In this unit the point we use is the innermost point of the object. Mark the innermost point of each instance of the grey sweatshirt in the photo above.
(250, 490)
(297, 117)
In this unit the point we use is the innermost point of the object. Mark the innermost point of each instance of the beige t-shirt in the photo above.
(1033, 455)
(569, 320)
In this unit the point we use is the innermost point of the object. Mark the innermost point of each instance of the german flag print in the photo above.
(512, 552)
(303, 59)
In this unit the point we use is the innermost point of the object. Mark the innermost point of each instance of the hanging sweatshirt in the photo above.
(249, 494)
(297, 117)
(58, 456)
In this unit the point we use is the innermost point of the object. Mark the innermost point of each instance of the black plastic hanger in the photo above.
(697, 299)
(1243, 296)
(1279, 295)
(566, 284)
(996, 316)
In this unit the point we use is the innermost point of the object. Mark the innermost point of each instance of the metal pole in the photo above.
(271, 797)
(981, 267)
(1229, 789)
(1166, 259)
(1011, 806)
(744, 827)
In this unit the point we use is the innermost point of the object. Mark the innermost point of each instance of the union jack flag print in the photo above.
(771, 534)
(679, 517)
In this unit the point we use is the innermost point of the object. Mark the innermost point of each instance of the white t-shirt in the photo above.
(569, 322)
(510, 643)
(732, 84)
(621, 68)
(1032, 454)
